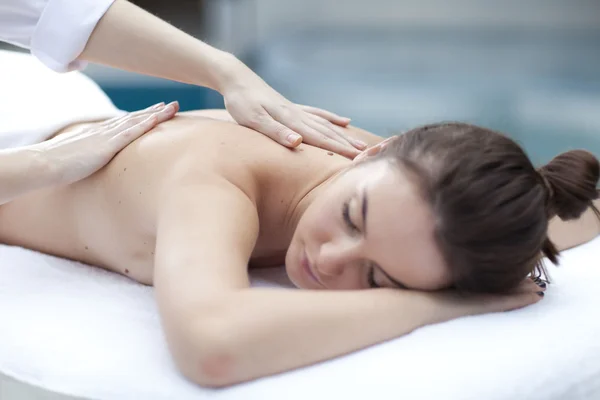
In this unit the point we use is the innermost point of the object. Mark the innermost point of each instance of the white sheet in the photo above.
(82, 331)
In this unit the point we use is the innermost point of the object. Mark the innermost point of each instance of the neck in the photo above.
(306, 196)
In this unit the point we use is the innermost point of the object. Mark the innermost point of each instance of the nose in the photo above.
(333, 258)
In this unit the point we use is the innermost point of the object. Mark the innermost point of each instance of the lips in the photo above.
(308, 269)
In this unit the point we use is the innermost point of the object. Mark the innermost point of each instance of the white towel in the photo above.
(35, 101)
(78, 330)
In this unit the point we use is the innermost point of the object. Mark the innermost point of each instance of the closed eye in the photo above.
(346, 216)
(371, 278)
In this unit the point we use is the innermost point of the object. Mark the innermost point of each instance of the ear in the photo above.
(372, 151)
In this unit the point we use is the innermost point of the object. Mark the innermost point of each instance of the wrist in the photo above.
(225, 71)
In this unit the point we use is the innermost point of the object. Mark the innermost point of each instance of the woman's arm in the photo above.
(567, 234)
(222, 332)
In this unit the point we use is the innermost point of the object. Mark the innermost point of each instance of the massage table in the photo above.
(69, 331)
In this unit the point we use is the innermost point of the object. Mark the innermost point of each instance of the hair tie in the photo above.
(546, 184)
(549, 194)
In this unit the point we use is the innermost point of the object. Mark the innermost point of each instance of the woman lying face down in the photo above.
(444, 221)
(444, 205)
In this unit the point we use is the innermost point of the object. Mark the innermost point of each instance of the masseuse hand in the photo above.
(76, 155)
(254, 104)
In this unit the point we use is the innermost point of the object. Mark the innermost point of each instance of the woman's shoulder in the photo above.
(208, 145)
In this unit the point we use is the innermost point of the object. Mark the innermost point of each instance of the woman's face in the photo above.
(368, 228)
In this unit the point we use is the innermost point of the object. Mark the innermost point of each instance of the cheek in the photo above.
(321, 224)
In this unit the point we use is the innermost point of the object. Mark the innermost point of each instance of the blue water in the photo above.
(540, 87)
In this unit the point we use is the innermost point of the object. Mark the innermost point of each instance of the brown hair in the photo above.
(491, 205)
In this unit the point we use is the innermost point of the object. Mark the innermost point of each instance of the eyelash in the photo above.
(354, 228)
(371, 279)
(346, 215)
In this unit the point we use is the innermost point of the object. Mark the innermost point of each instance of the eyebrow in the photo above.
(365, 205)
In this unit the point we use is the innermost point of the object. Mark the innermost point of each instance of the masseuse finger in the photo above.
(333, 146)
(277, 131)
(124, 129)
(125, 124)
(328, 115)
(341, 146)
(373, 150)
(130, 134)
(164, 113)
(110, 123)
(294, 119)
(318, 135)
(137, 115)
(337, 133)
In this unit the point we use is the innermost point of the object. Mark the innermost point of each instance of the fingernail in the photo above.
(159, 105)
(362, 144)
(293, 138)
(541, 294)
(538, 281)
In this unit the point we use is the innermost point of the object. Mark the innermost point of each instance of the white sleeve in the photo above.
(56, 31)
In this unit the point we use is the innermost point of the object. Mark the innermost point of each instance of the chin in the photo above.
(290, 276)
(290, 266)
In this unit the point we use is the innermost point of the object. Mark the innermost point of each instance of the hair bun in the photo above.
(571, 180)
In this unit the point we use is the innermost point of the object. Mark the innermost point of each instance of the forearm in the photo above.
(259, 332)
(129, 38)
(22, 170)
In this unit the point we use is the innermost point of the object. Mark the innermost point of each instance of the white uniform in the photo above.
(56, 31)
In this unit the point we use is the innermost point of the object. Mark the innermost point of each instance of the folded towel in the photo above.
(79, 330)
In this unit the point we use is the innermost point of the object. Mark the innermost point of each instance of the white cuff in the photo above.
(63, 30)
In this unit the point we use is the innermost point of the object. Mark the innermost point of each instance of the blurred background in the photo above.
(530, 68)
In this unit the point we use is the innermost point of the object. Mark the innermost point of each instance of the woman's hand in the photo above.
(449, 304)
(254, 104)
(76, 155)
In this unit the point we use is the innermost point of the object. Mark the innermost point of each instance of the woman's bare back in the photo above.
(109, 219)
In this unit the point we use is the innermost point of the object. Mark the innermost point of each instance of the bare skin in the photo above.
(188, 206)
(118, 206)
